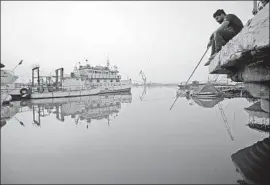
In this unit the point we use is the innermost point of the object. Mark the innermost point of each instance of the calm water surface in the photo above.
(126, 138)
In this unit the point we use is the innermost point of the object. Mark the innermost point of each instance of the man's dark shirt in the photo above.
(235, 23)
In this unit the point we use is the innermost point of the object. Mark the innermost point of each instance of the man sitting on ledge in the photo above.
(231, 25)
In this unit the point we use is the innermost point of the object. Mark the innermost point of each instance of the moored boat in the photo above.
(7, 78)
(83, 81)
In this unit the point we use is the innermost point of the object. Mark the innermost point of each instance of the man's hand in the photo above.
(254, 12)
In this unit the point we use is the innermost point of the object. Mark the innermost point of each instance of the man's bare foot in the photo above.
(210, 59)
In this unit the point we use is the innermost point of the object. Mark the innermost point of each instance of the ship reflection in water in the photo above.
(85, 108)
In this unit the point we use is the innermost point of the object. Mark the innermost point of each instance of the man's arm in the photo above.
(224, 25)
(210, 42)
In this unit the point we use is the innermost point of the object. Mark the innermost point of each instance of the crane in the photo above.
(143, 93)
(225, 121)
(144, 84)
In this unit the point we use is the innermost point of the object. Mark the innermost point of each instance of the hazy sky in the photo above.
(165, 39)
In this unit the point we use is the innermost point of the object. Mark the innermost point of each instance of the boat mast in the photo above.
(108, 61)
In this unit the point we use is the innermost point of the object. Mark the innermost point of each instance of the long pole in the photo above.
(191, 75)
(174, 102)
(197, 65)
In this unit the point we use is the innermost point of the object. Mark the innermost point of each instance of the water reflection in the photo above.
(143, 148)
(258, 118)
(86, 108)
(253, 163)
(258, 112)
(143, 93)
(207, 102)
(8, 112)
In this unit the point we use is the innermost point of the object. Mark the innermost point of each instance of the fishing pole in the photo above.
(191, 75)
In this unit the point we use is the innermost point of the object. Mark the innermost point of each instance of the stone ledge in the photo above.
(252, 43)
(265, 106)
(258, 90)
(259, 72)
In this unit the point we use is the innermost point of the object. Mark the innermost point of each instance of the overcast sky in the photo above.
(164, 39)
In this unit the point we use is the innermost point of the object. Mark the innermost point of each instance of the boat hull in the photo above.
(76, 93)
(8, 77)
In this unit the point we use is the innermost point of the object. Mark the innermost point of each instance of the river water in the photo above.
(127, 138)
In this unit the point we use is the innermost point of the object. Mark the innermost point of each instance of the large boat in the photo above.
(7, 78)
(83, 81)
